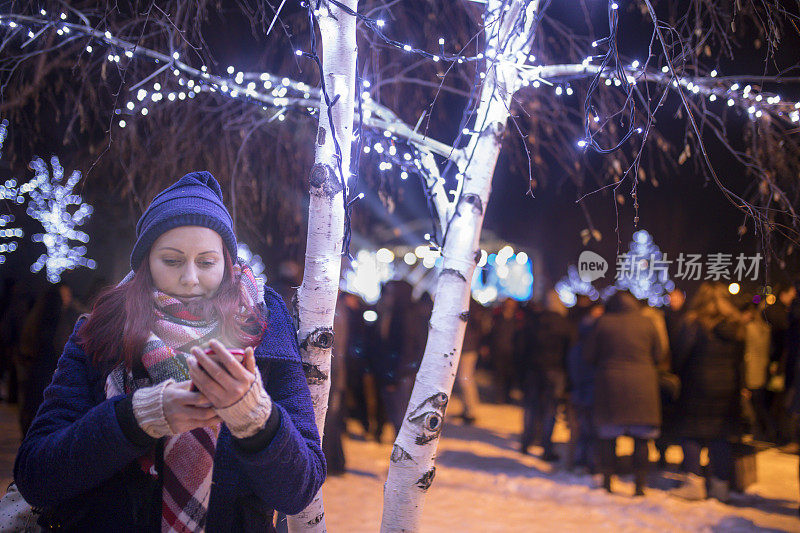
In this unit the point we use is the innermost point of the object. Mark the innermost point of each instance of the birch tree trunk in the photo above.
(316, 298)
(411, 468)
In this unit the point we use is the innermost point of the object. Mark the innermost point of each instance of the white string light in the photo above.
(282, 94)
(8, 191)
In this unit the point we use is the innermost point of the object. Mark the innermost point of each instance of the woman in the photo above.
(141, 429)
(625, 349)
(708, 358)
(757, 334)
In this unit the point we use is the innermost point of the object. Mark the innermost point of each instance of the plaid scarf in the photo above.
(188, 458)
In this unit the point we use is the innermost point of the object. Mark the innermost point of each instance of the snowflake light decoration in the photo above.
(8, 191)
(643, 271)
(52, 204)
(570, 286)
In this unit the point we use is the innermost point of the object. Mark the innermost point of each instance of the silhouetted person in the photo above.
(668, 381)
(401, 323)
(708, 360)
(502, 344)
(467, 389)
(625, 348)
(7, 370)
(756, 370)
(10, 329)
(549, 336)
(364, 401)
(335, 419)
(44, 334)
(581, 391)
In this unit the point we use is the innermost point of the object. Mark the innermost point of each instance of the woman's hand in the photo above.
(222, 379)
(185, 410)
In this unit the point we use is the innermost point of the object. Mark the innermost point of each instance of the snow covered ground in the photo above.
(484, 484)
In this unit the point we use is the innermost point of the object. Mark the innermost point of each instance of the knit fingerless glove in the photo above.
(148, 408)
(249, 415)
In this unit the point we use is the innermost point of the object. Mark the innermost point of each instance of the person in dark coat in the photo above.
(502, 345)
(668, 381)
(44, 334)
(625, 348)
(784, 342)
(467, 388)
(793, 399)
(7, 374)
(709, 360)
(335, 419)
(20, 305)
(402, 329)
(790, 360)
(580, 375)
(180, 403)
(548, 337)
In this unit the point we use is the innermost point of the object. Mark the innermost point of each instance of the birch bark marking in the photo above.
(316, 298)
(411, 467)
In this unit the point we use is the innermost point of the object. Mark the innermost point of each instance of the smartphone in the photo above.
(235, 352)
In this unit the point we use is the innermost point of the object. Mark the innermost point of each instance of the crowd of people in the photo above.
(701, 374)
(711, 373)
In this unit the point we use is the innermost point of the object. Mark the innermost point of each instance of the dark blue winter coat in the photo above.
(78, 461)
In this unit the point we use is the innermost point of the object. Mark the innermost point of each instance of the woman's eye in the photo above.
(171, 262)
(206, 264)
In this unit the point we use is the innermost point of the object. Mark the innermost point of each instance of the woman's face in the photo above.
(187, 262)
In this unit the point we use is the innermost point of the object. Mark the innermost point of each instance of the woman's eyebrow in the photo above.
(181, 251)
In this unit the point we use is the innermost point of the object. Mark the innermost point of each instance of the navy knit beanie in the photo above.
(194, 200)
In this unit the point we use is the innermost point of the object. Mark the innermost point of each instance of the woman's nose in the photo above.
(189, 275)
